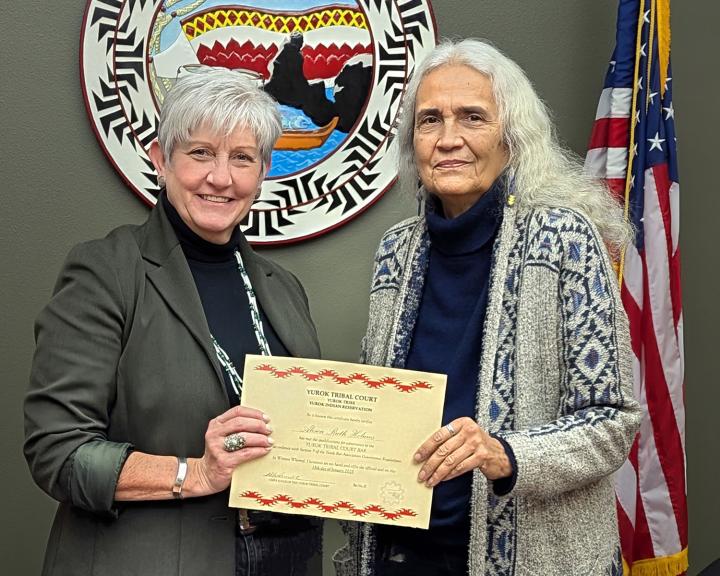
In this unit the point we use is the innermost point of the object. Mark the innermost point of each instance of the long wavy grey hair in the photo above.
(544, 173)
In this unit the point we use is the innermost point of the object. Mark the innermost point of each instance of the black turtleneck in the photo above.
(222, 293)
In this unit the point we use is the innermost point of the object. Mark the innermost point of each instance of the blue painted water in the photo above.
(286, 162)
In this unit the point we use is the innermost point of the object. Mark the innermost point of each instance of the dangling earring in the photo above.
(420, 197)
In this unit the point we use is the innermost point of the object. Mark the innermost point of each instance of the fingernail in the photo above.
(270, 440)
(417, 457)
(266, 417)
(269, 428)
(421, 476)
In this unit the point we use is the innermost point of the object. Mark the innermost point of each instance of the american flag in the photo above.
(633, 147)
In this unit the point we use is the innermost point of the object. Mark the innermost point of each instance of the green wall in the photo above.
(58, 189)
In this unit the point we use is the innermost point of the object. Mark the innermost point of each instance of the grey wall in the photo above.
(59, 189)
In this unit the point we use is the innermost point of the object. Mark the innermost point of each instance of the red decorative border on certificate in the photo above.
(355, 377)
(329, 508)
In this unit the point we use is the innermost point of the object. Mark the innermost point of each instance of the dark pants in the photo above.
(277, 551)
(404, 559)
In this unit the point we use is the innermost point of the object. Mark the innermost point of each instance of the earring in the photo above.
(420, 198)
(161, 181)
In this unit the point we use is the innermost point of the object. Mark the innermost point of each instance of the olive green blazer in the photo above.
(124, 361)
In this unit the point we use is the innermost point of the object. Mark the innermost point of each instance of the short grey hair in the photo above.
(221, 100)
(543, 173)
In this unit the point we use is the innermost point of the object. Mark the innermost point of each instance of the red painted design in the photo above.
(344, 380)
(329, 508)
(235, 55)
(327, 61)
(319, 62)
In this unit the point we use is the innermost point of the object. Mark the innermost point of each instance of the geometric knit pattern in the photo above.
(616, 568)
(388, 270)
(570, 425)
(501, 514)
(592, 381)
(501, 536)
(411, 303)
(501, 511)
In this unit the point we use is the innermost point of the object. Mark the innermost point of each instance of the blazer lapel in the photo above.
(170, 274)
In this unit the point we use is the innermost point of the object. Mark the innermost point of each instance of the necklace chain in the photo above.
(223, 357)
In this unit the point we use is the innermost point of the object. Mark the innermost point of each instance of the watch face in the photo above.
(338, 71)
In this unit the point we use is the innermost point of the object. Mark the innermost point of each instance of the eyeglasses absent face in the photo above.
(212, 179)
(459, 150)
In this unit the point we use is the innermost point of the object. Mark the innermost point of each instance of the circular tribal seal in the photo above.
(338, 70)
(392, 493)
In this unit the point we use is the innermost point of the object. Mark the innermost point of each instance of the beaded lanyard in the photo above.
(222, 356)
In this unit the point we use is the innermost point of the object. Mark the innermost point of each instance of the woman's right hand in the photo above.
(212, 473)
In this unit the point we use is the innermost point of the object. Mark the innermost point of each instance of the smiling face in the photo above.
(459, 151)
(212, 180)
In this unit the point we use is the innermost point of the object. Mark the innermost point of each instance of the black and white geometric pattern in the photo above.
(116, 68)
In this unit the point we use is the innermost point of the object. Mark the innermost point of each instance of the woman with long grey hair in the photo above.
(505, 283)
(132, 419)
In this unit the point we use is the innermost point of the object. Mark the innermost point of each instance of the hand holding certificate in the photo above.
(345, 435)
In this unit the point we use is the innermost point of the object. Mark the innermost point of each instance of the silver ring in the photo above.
(450, 429)
(234, 442)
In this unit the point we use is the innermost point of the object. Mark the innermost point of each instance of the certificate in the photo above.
(345, 436)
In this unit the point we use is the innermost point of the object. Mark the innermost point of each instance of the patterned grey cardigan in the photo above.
(555, 381)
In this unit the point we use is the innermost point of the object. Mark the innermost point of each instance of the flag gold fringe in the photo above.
(663, 27)
(663, 566)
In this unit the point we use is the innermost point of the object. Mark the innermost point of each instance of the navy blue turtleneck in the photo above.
(447, 339)
(222, 294)
(449, 329)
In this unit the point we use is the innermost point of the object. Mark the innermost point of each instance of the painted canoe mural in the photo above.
(337, 70)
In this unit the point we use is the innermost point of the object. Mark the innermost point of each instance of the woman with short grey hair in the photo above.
(505, 283)
(133, 418)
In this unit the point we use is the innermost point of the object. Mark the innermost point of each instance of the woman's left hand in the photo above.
(460, 447)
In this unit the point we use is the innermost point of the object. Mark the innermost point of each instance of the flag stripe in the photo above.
(607, 162)
(654, 489)
(666, 434)
(628, 476)
(632, 297)
(657, 226)
(610, 132)
(614, 103)
(627, 530)
(617, 185)
(642, 545)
